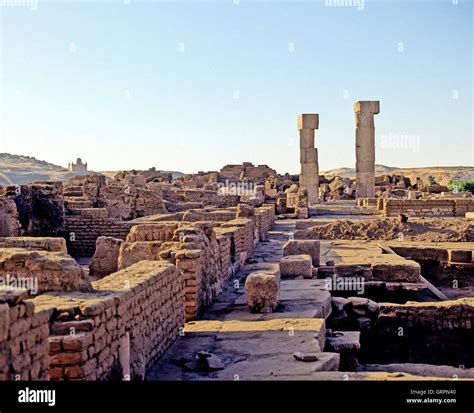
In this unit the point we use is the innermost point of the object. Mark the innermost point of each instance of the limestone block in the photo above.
(308, 247)
(464, 256)
(296, 265)
(470, 215)
(308, 121)
(262, 289)
(370, 106)
(306, 138)
(308, 155)
(406, 271)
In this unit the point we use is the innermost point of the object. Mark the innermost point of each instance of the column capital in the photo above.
(308, 121)
(367, 106)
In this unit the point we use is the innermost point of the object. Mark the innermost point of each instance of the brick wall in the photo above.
(430, 332)
(86, 225)
(23, 338)
(427, 207)
(130, 319)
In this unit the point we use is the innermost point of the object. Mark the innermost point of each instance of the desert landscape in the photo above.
(195, 194)
(167, 276)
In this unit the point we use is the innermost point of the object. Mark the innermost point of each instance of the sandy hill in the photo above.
(442, 174)
(19, 169)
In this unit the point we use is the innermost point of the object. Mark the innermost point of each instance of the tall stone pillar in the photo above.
(365, 147)
(309, 176)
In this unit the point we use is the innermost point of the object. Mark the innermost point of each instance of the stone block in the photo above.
(309, 247)
(370, 106)
(463, 256)
(308, 155)
(296, 265)
(408, 271)
(306, 138)
(105, 259)
(262, 289)
(308, 121)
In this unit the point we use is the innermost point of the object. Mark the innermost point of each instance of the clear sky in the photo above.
(194, 85)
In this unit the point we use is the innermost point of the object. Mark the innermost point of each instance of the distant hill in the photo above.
(442, 174)
(20, 169)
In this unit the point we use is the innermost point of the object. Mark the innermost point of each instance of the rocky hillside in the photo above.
(19, 169)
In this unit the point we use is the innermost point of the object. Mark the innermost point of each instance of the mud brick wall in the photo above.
(461, 206)
(40, 207)
(200, 195)
(209, 215)
(246, 236)
(196, 252)
(228, 239)
(23, 338)
(192, 247)
(145, 242)
(87, 225)
(50, 271)
(430, 332)
(265, 218)
(51, 244)
(419, 207)
(227, 200)
(133, 314)
(225, 257)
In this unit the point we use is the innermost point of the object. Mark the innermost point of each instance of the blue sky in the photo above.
(194, 85)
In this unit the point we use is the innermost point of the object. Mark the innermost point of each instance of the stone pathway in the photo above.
(235, 344)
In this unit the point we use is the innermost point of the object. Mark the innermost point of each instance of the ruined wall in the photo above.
(86, 225)
(208, 215)
(23, 338)
(246, 236)
(105, 259)
(127, 323)
(246, 170)
(9, 218)
(42, 270)
(426, 207)
(424, 332)
(40, 207)
(265, 218)
(51, 244)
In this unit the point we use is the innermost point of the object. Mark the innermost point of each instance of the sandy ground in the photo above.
(416, 229)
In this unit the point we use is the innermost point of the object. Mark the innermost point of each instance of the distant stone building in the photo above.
(78, 166)
(246, 170)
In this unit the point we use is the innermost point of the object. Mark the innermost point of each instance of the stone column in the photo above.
(365, 147)
(309, 176)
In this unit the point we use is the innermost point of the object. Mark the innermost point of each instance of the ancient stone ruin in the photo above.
(241, 272)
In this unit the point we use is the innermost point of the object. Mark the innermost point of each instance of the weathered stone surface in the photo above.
(296, 265)
(105, 259)
(309, 247)
(42, 270)
(262, 290)
(9, 218)
(459, 255)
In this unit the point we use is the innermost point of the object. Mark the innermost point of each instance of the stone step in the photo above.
(342, 341)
